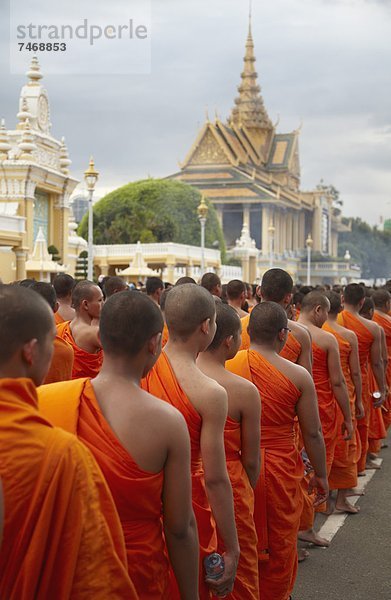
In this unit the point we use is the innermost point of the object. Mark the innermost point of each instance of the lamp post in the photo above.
(309, 243)
(202, 211)
(271, 231)
(91, 177)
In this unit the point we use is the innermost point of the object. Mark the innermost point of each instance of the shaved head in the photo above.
(186, 307)
(335, 300)
(211, 281)
(368, 307)
(235, 289)
(24, 316)
(47, 291)
(353, 294)
(128, 321)
(113, 285)
(83, 290)
(276, 285)
(183, 280)
(381, 298)
(314, 299)
(227, 322)
(63, 284)
(266, 321)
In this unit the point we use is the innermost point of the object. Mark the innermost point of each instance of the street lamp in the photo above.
(202, 211)
(309, 243)
(271, 231)
(347, 255)
(91, 177)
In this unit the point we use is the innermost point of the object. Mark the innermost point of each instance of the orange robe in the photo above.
(326, 402)
(62, 362)
(278, 496)
(85, 364)
(365, 340)
(58, 318)
(385, 322)
(137, 494)
(343, 473)
(161, 382)
(376, 431)
(245, 345)
(164, 335)
(62, 536)
(292, 349)
(246, 582)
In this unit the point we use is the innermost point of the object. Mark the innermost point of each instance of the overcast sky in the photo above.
(325, 63)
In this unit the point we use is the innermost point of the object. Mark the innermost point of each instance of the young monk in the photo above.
(382, 301)
(377, 430)
(286, 390)
(113, 285)
(81, 332)
(343, 475)
(212, 283)
(62, 362)
(327, 373)
(369, 349)
(62, 537)
(64, 284)
(191, 319)
(242, 443)
(141, 445)
(236, 295)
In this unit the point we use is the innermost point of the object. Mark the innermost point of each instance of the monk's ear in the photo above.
(155, 344)
(56, 307)
(205, 326)
(29, 351)
(228, 341)
(361, 304)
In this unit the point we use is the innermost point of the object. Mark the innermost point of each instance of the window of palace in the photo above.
(41, 213)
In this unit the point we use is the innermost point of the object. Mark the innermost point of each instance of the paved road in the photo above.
(357, 566)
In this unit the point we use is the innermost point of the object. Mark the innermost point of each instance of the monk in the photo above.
(286, 390)
(382, 316)
(62, 537)
(377, 430)
(62, 362)
(113, 285)
(81, 333)
(236, 295)
(154, 287)
(64, 284)
(191, 319)
(141, 445)
(212, 283)
(369, 350)
(343, 475)
(242, 443)
(327, 373)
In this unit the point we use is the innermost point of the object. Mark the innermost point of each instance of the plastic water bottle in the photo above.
(214, 566)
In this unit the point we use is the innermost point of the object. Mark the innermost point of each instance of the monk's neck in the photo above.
(353, 310)
(211, 360)
(120, 369)
(332, 319)
(187, 351)
(304, 320)
(264, 349)
(82, 319)
(66, 302)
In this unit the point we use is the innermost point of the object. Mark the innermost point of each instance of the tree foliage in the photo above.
(368, 247)
(153, 210)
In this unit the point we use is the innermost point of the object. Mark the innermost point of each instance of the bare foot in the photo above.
(372, 465)
(354, 492)
(372, 456)
(312, 537)
(384, 444)
(302, 554)
(361, 474)
(343, 506)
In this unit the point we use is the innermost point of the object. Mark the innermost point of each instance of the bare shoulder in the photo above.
(329, 339)
(209, 396)
(301, 332)
(240, 385)
(170, 419)
(349, 335)
(296, 373)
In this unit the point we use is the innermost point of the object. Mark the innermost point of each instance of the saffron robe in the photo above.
(376, 431)
(385, 322)
(246, 583)
(62, 536)
(85, 364)
(137, 494)
(62, 362)
(343, 473)
(365, 341)
(278, 496)
(162, 383)
(326, 402)
(245, 345)
(58, 318)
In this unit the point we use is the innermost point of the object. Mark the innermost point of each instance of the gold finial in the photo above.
(309, 241)
(34, 73)
(207, 114)
(202, 208)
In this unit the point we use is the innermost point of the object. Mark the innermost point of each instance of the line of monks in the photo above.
(123, 466)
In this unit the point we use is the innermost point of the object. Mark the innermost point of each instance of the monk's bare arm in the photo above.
(180, 527)
(311, 429)
(355, 372)
(218, 486)
(303, 336)
(377, 366)
(338, 384)
(251, 432)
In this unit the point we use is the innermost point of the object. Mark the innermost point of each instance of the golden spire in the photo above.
(250, 109)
